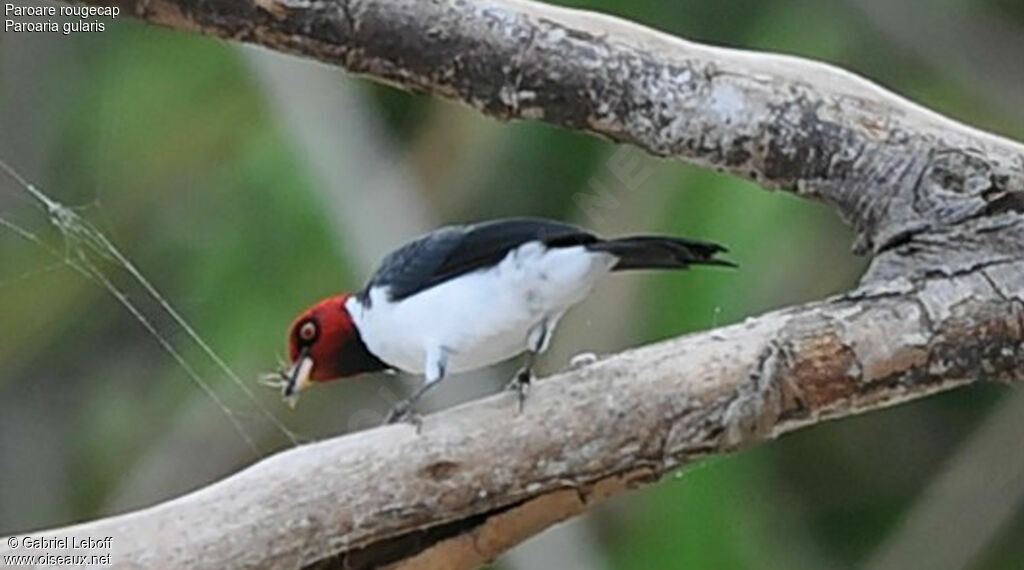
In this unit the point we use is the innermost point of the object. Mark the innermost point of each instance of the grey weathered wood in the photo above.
(890, 167)
(585, 434)
(937, 204)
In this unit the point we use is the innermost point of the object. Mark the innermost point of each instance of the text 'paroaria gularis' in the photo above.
(464, 297)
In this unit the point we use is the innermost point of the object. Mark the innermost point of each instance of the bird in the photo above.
(464, 297)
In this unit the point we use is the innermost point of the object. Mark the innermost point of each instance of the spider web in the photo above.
(83, 243)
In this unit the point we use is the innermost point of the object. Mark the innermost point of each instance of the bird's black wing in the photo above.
(456, 250)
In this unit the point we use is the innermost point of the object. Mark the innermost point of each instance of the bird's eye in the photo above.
(307, 331)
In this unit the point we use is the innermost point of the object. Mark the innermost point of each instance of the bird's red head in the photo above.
(324, 344)
(321, 333)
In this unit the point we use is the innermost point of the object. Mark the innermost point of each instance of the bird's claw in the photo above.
(520, 384)
(404, 413)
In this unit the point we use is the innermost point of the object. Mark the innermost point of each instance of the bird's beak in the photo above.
(298, 377)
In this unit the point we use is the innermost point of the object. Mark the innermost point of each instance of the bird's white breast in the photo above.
(482, 317)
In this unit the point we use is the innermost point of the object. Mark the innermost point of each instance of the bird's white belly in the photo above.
(479, 318)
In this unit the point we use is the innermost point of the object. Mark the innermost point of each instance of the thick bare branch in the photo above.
(479, 479)
(892, 168)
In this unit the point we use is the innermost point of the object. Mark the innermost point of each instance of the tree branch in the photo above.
(942, 305)
(783, 121)
(479, 479)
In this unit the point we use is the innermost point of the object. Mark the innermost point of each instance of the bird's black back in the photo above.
(456, 250)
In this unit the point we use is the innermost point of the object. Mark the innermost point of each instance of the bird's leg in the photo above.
(437, 361)
(521, 381)
(536, 343)
(402, 411)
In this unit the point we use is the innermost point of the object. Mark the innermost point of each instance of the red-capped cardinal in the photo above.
(464, 297)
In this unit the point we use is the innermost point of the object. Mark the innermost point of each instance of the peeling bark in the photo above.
(937, 203)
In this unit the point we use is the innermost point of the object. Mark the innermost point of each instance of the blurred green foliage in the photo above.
(168, 144)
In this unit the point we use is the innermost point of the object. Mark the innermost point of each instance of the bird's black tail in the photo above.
(660, 252)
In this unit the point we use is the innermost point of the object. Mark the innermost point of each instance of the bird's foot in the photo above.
(520, 383)
(403, 412)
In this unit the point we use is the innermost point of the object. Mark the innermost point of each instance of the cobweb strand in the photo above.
(80, 236)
